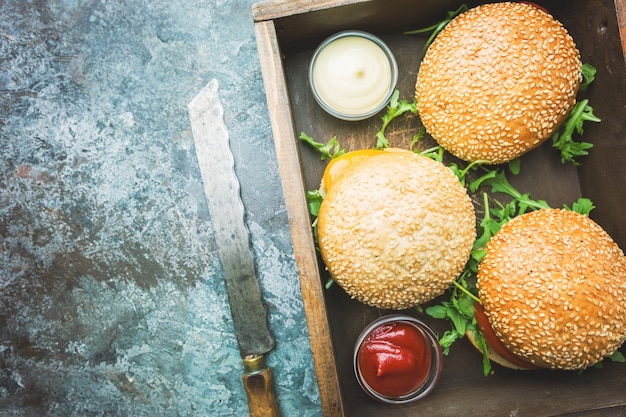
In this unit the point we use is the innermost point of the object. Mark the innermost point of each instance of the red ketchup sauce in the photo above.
(394, 359)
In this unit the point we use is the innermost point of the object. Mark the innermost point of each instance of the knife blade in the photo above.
(222, 191)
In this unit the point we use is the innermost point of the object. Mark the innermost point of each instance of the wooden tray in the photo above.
(287, 33)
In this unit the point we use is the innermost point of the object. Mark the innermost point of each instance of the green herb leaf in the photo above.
(437, 27)
(457, 319)
(461, 173)
(437, 312)
(581, 206)
(617, 356)
(459, 310)
(481, 342)
(489, 227)
(465, 306)
(329, 150)
(417, 137)
(394, 109)
(436, 153)
(515, 166)
(589, 74)
(314, 199)
(562, 139)
(500, 184)
(447, 339)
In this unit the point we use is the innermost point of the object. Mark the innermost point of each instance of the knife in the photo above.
(222, 191)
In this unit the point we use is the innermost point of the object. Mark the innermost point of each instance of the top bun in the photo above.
(553, 287)
(498, 81)
(395, 228)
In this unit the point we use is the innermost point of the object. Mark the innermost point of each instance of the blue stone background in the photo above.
(111, 295)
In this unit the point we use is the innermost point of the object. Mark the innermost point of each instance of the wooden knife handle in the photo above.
(259, 386)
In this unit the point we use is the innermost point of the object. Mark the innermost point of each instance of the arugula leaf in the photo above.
(562, 139)
(515, 166)
(457, 319)
(589, 74)
(437, 312)
(446, 311)
(617, 356)
(481, 342)
(499, 184)
(459, 310)
(447, 339)
(394, 109)
(465, 306)
(489, 227)
(581, 206)
(437, 27)
(315, 201)
(329, 150)
(417, 137)
(435, 153)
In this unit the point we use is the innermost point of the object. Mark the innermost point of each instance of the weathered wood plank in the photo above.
(299, 220)
(275, 9)
(620, 6)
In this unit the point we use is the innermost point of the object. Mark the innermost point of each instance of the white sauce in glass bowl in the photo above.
(353, 76)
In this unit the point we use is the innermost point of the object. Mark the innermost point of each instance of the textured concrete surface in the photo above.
(111, 295)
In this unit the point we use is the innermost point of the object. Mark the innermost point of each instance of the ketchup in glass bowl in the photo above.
(397, 359)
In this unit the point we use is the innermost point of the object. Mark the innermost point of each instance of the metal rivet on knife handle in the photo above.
(258, 383)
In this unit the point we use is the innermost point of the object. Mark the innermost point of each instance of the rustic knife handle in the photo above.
(259, 386)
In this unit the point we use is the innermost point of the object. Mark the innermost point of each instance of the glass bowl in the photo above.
(397, 359)
(353, 75)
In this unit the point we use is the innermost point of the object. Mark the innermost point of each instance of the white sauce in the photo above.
(352, 75)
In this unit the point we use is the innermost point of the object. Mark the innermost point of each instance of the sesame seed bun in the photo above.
(395, 228)
(498, 81)
(553, 287)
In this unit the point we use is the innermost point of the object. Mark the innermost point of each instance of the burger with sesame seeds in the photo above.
(552, 287)
(498, 81)
(395, 228)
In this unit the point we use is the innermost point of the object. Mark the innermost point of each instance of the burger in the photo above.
(552, 287)
(498, 81)
(395, 228)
